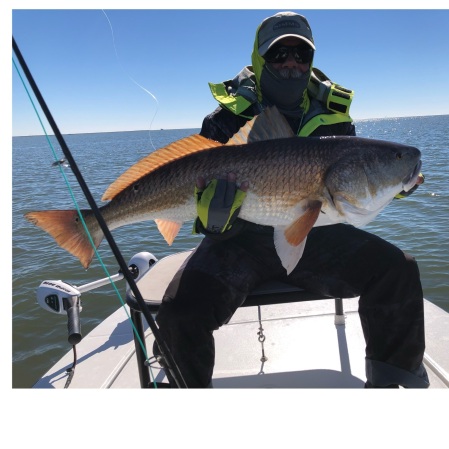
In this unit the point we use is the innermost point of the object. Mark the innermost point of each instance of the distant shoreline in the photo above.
(197, 129)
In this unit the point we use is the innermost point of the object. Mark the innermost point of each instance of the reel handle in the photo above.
(73, 319)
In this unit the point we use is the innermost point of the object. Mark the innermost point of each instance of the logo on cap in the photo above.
(286, 24)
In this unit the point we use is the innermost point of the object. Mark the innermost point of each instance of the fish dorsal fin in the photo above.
(268, 125)
(176, 150)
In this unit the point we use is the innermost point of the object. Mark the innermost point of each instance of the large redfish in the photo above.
(295, 183)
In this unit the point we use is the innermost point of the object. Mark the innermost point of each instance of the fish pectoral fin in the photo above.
(289, 254)
(297, 231)
(290, 241)
(168, 229)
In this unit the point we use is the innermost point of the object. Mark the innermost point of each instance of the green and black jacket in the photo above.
(326, 107)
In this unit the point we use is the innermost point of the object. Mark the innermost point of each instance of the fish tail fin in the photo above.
(67, 229)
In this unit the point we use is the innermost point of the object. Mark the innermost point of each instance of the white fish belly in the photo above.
(269, 212)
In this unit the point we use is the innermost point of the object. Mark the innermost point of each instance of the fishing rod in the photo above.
(73, 312)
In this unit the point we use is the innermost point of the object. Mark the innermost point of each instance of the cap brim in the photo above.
(267, 45)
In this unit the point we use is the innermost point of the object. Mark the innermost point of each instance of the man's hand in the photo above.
(218, 204)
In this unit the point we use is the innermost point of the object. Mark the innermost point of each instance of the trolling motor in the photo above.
(63, 298)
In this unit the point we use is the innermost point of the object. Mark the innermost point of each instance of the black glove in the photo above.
(218, 205)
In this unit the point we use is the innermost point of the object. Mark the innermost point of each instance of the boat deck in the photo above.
(303, 349)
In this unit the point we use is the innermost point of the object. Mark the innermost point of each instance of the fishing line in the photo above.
(62, 163)
(132, 79)
(171, 366)
(58, 162)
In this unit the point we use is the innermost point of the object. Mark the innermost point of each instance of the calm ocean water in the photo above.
(418, 224)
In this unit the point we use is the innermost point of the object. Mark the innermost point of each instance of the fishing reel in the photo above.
(63, 298)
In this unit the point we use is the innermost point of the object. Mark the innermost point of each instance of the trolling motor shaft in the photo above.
(73, 319)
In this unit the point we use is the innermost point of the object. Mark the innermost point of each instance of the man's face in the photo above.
(290, 57)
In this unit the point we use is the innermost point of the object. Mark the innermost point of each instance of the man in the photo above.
(339, 260)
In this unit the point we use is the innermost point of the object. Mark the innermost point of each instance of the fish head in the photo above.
(364, 181)
(391, 165)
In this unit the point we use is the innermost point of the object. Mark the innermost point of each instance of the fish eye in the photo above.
(136, 187)
(398, 155)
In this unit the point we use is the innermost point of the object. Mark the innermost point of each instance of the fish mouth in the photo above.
(409, 181)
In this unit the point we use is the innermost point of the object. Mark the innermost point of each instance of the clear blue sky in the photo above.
(397, 61)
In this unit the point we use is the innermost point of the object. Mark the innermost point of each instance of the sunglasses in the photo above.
(278, 55)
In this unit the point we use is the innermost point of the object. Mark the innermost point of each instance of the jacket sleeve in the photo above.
(338, 129)
(221, 125)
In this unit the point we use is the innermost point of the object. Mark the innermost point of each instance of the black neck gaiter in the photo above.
(285, 94)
